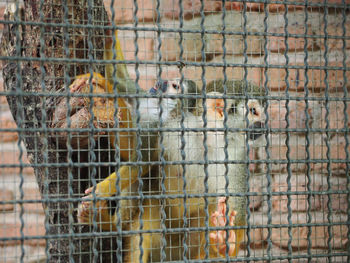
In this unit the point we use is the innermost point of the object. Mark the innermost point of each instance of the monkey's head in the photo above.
(164, 86)
(174, 87)
(253, 111)
(237, 89)
(240, 109)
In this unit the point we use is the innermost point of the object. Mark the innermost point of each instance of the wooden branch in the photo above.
(32, 113)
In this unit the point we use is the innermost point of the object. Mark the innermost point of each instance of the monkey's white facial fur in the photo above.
(255, 111)
(169, 87)
(150, 107)
(174, 87)
(255, 116)
(237, 113)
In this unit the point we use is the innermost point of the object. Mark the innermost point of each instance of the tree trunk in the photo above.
(31, 72)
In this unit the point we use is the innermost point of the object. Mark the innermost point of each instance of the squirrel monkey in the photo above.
(195, 175)
(105, 114)
(149, 112)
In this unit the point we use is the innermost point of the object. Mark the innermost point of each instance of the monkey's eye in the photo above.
(232, 109)
(175, 86)
(253, 111)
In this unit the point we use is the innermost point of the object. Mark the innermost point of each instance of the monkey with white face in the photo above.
(218, 172)
(151, 110)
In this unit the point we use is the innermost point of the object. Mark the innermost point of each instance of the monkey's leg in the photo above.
(218, 239)
(151, 242)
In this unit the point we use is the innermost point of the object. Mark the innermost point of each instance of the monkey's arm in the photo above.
(107, 188)
(128, 176)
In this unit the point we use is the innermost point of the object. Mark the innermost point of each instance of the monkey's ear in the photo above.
(215, 108)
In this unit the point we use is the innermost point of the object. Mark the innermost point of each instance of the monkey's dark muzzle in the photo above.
(256, 130)
(160, 85)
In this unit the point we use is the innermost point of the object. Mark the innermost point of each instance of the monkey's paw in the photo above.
(100, 209)
(219, 238)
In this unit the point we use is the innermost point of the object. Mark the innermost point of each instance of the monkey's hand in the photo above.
(80, 116)
(219, 239)
(100, 209)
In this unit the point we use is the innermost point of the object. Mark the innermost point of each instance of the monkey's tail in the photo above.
(118, 72)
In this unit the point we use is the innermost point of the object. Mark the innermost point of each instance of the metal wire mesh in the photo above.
(76, 108)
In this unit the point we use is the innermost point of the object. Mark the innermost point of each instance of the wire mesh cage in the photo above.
(174, 130)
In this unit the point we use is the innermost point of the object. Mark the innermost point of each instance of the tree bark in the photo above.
(29, 70)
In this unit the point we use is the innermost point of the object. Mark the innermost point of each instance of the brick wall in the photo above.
(258, 52)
